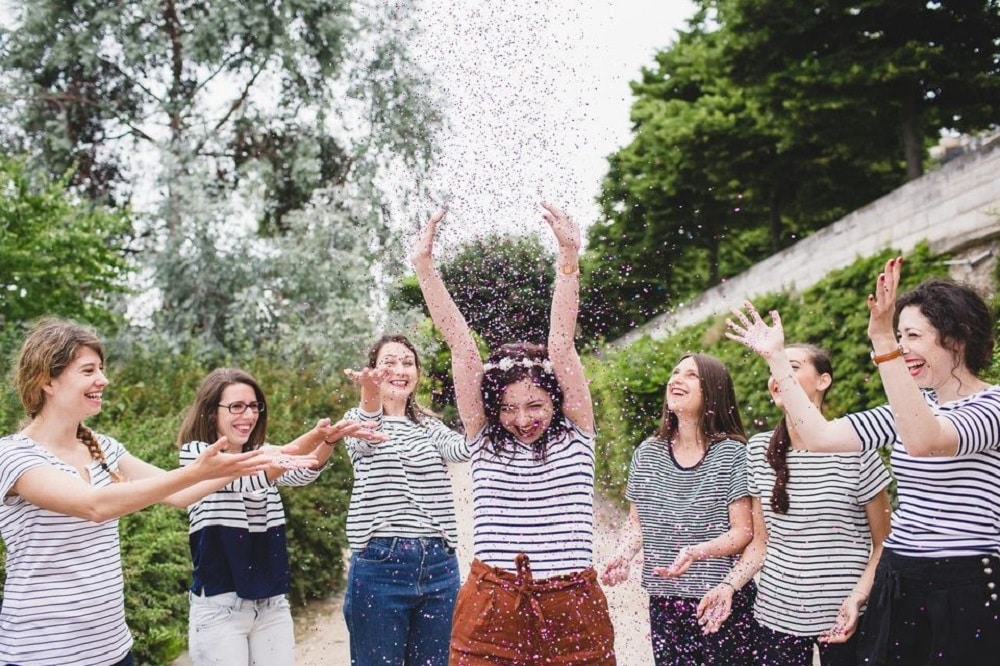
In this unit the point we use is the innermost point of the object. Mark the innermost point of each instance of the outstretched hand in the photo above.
(714, 608)
(566, 230)
(367, 377)
(754, 333)
(358, 429)
(423, 250)
(882, 303)
(615, 571)
(846, 623)
(685, 557)
(215, 462)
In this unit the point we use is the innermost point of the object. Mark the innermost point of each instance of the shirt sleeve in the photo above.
(16, 458)
(631, 491)
(875, 427)
(756, 457)
(874, 476)
(452, 445)
(359, 448)
(738, 472)
(977, 421)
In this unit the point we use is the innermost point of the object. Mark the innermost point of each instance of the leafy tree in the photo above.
(61, 256)
(851, 71)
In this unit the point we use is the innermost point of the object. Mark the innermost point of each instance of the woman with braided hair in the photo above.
(532, 595)
(818, 526)
(64, 488)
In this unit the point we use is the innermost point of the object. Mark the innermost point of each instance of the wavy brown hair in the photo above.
(781, 441)
(49, 348)
(201, 423)
(495, 383)
(720, 415)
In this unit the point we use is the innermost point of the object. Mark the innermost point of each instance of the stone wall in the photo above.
(956, 209)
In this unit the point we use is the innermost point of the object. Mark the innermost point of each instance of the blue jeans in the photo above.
(399, 602)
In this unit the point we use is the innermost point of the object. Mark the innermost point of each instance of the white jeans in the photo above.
(224, 630)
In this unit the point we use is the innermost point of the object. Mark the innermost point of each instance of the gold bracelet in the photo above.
(569, 269)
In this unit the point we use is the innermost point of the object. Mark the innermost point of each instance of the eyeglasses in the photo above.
(241, 407)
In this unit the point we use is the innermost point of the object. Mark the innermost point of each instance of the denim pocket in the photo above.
(375, 551)
(207, 616)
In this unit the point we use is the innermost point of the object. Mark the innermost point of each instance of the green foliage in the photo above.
(628, 384)
(61, 256)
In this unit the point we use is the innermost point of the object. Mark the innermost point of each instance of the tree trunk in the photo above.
(913, 147)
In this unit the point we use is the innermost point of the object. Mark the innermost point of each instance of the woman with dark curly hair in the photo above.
(934, 597)
(532, 595)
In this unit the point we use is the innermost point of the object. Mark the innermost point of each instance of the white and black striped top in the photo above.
(63, 599)
(401, 486)
(683, 506)
(542, 508)
(948, 506)
(237, 534)
(817, 551)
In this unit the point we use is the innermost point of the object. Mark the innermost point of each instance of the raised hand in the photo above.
(714, 608)
(423, 250)
(882, 303)
(367, 377)
(754, 332)
(567, 231)
(615, 571)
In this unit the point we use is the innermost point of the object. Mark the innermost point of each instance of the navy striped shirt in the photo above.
(63, 599)
(542, 508)
(237, 534)
(684, 506)
(401, 486)
(948, 506)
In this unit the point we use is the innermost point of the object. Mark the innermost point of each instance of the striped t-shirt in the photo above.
(817, 551)
(401, 486)
(237, 534)
(683, 506)
(542, 508)
(948, 506)
(63, 599)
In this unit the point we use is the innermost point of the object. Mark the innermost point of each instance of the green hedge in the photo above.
(628, 384)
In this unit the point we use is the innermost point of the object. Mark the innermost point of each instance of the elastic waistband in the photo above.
(523, 580)
(937, 571)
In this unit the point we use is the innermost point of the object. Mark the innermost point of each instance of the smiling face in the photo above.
(79, 388)
(236, 427)
(402, 373)
(812, 381)
(684, 395)
(930, 363)
(526, 411)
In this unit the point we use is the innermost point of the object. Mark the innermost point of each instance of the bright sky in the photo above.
(539, 97)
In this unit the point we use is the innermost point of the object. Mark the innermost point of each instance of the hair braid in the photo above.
(86, 435)
(777, 458)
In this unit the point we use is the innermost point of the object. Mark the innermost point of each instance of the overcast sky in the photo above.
(539, 97)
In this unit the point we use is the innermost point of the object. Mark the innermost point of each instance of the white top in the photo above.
(817, 551)
(401, 486)
(948, 506)
(63, 599)
(683, 506)
(542, 508)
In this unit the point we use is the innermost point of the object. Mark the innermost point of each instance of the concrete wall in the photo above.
(956, 209)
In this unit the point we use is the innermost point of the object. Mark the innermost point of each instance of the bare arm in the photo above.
(878, 513)
(715, 607)
(55, 490)
(466, 364)
(577, 404)
(920, 430)
(629, 544)
(803, 415)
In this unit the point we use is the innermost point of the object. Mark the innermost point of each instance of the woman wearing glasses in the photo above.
(239, 614)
